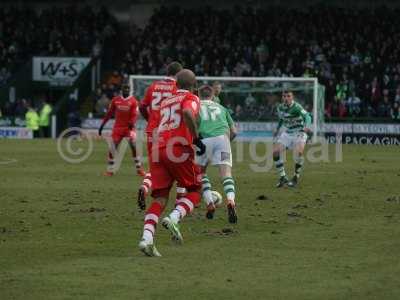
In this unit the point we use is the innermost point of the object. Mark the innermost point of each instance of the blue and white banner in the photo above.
(249, 131)
(15, 133)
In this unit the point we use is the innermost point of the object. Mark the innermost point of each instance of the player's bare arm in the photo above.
(232, 132)
(190, 121)
(107, 117)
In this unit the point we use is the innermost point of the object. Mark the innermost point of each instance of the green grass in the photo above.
(66, 232)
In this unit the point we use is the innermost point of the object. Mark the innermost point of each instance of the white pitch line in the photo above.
(8, 161)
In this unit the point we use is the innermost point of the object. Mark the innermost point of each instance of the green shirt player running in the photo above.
(217, 130)
(292, 133)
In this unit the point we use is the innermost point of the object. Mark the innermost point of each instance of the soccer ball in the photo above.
(217, 198)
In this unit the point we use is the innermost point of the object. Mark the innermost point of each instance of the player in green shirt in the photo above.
(217, 130)
(292, 133)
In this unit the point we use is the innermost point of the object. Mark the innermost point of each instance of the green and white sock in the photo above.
(229, 188)
(279, 166)
(299, 161)
(206, 189)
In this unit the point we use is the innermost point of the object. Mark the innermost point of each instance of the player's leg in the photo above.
(206, 194)
(298, 157)
(161, 186)
(222, 158)
(112, 152)
(184, 206)
(153, 213)
(225, 173)
(187, 175)
(277, 154)
(180, 192)
(144, 190)
(145, 187)
(136, 158)
(203, 161)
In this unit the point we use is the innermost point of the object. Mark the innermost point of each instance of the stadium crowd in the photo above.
(354, 53)
(69, 31)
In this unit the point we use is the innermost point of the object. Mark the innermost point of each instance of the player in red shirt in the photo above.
(124, 107)
(150, 110)
(177, 133)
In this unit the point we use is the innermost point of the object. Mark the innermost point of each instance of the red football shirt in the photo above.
(155, 94)
(125, 110)
(172, 130)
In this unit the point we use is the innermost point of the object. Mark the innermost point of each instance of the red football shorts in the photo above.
(175, 164)
(119, 133)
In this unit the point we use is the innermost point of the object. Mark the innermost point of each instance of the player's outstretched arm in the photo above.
(232, 127)
(280, 123)
(109, 114)
(233, 132)
(134, 112)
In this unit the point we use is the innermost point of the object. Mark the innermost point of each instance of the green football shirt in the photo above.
(294, 118)
(215, 119)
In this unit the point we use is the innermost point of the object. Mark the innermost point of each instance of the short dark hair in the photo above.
(185, 79)
(173, 68)
(205, 91)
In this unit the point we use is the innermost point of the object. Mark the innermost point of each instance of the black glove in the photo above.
(101, 129)
(199, 144)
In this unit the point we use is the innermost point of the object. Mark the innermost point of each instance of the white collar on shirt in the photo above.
(182, 91)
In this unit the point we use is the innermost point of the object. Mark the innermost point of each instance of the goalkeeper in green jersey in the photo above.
(292, 133)
(217, 130)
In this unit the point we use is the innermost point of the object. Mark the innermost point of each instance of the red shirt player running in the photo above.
(150, 110)
(177, 133)
(124, 107)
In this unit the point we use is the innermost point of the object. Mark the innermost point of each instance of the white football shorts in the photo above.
(290, 140)
(218, 151)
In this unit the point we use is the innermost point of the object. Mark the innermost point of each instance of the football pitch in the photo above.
(67, 232)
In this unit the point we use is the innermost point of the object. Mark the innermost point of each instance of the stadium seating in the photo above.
(352, 52)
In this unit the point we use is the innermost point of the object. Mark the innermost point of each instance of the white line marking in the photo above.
(8, 161)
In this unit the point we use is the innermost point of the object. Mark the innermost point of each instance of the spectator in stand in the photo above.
(384, 108)
(353, 105)
(376, 95)
(110, 90)
(96, 49)
(397, 96)
(102, 104)
(115, 79)
(71, 31)
(250, 100)
(44, 119)
(395, 112)
(238, 111)
(4, 76)
(96, 97)
(32, 119)
(217, 88)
